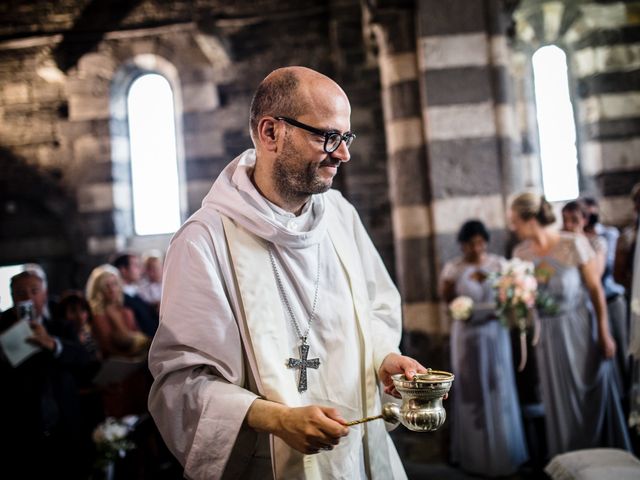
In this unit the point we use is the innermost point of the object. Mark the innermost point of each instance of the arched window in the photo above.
(6, 273)
(154, 163)
(556, 124)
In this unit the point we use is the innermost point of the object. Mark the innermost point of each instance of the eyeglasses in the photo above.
(332, 138)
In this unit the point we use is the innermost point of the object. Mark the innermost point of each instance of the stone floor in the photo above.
(425, 456)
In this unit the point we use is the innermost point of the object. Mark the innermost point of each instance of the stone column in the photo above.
(408, 168)
(468, 111)
(605, 66)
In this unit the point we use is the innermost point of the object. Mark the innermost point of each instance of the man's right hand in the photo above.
(307, 429)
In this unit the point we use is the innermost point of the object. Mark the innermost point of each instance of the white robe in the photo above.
(224, 335)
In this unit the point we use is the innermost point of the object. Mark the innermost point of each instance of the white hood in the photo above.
(234, 195)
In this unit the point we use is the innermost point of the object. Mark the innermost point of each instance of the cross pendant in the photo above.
(302, 363)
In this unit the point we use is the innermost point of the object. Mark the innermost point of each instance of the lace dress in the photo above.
(579, 390)
(487, 432)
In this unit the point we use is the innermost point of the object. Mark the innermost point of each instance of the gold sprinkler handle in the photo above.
(363, 420)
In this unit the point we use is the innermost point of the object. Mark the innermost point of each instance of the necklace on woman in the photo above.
(301, 363)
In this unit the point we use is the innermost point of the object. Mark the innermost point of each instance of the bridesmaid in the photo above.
(574, 219)
(487, 436)
(579, 390)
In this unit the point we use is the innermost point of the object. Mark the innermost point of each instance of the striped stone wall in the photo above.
(408, 168)
(469, 117)
(64, 117)
(97, 126)
(607, 71)
(452, 142)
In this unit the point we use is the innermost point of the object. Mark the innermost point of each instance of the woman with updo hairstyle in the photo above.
(580, 393)
(487, 435)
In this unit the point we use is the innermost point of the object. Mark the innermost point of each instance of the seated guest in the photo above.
(150, 289)
(130, 270)
(488, 437)
(50, 307)
(74, 310)
(114, 328)
(118, 335)
(39, 402)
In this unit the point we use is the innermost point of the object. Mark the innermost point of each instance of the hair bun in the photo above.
(546, 215)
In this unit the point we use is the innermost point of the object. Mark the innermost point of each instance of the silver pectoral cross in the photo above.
(302, 363)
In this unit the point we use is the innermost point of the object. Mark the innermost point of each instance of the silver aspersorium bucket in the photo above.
(421, 409)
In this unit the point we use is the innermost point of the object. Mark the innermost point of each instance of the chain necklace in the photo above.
(301, 363)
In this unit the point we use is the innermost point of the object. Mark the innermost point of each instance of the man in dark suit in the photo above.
(39, 409)
(130, 269)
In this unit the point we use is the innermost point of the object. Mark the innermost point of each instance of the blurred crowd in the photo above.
(84, 361)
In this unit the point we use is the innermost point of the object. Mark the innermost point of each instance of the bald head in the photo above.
(290, 92)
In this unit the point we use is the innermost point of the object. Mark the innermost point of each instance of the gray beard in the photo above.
(295, 182)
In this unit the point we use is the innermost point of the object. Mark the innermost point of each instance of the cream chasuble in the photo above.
(266, 323)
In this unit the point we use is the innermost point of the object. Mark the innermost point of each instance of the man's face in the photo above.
(154, 270)
(302, 167)
(30, 288)
(133, 272)
(298, 171)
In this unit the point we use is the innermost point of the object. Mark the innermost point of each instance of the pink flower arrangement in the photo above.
(516, 287)
(516, 299)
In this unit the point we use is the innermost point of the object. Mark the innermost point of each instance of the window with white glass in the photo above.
(556, 124)
(154, 162)
(6, 272)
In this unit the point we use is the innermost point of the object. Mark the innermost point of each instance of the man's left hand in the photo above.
(395, 363)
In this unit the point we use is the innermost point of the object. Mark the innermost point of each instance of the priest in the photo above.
(279, 322)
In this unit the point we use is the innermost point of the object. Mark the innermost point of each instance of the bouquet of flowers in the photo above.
(461, 308)
(112, 439)
(516, 299)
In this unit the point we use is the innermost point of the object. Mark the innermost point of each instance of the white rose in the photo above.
(461, 308)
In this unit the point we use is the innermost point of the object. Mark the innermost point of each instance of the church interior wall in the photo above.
(442, 104)
(58, 66)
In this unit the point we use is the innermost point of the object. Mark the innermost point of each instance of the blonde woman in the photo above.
(114, 326)
(577, 377)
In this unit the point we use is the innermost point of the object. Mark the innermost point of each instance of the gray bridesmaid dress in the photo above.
(580, 393)
(487, 432)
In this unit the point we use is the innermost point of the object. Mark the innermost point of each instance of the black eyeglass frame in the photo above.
(347, 137)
